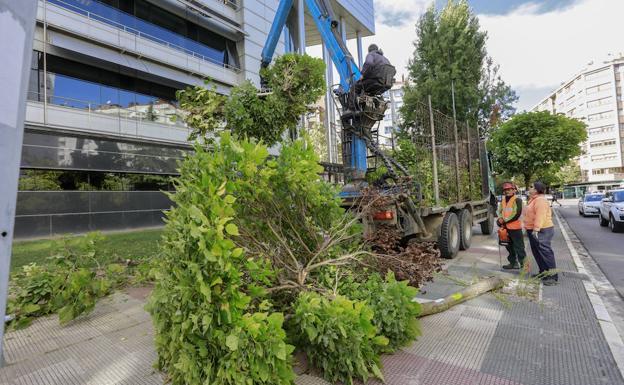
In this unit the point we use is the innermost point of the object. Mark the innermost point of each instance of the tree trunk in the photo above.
(527, 181)
(470, 292)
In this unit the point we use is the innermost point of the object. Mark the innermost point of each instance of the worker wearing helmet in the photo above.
(509, 212)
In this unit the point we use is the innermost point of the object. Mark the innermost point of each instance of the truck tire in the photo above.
(449, 236)
(465, 229)
(487, 226)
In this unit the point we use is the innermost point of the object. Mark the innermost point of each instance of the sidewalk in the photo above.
(488, 340)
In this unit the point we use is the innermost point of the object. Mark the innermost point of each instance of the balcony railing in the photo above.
(187, 46)
(160, 122)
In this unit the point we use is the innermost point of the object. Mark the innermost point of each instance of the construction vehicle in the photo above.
(446, 219)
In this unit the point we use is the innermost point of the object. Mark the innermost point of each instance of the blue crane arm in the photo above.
(327, 27)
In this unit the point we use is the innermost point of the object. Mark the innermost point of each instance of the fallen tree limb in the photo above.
(456, 298)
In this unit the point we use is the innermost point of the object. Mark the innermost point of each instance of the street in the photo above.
(604, 246)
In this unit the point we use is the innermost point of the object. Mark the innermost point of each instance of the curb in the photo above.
(607, 326)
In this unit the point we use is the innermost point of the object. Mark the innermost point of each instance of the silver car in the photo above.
(589, 204)
(612, 210)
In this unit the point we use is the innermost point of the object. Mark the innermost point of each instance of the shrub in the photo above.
(391, 301)
(338, 337)
(70, 285)
(200, 304)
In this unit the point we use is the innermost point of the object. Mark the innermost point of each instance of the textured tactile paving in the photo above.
(480, 342)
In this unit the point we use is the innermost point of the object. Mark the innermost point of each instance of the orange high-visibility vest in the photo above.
(509, 210)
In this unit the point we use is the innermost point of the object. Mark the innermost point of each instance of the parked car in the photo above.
(612, 210)
(589, 204)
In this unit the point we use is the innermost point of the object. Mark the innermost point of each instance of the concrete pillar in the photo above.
(330, 117)
(359, 48)
(17, 26)
(301, 26)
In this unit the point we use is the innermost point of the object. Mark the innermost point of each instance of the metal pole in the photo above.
(17, 26)
(456, 144)
(301, 27)
(302, 45)
(343, 29)
(434, 161)
(469, 159)
(358, 35)
(45, 62)
(328, 106)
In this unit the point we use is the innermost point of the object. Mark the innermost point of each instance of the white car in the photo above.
(589, 204)
(612, 210)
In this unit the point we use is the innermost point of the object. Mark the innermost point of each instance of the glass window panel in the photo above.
(109, 96)
(127, 99)
(72, 92)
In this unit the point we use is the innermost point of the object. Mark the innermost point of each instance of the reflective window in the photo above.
(151, 22)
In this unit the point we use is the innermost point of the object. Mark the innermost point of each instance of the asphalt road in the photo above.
(605, 247)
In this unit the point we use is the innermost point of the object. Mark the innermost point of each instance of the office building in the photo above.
(595, 96)
(102, 121)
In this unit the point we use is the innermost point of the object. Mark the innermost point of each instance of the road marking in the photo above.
(614, 340)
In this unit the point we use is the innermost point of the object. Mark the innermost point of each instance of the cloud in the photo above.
(398, 13)
(540, 50)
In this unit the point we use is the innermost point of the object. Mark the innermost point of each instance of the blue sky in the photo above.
(538, 43)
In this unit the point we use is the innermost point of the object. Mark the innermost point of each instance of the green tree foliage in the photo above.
(393, 307)
(450, 49)
(295, 82)
(36, 180)
(533, 143)
(205, 329)
(497, 99)
(339, 336)
(70, 285)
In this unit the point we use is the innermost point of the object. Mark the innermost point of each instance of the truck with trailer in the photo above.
(452, 186)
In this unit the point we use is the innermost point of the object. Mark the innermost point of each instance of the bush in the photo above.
(70, 285)
(391, 301)
(200, 305)
(338, 337)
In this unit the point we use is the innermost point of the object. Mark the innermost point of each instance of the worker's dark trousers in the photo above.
(515, 248)
(542, 251)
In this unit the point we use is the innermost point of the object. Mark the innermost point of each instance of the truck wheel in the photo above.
(487, 226)
(449, 236)
(465, 229)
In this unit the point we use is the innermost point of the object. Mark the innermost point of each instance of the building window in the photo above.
(604, 157)
(601, 129)
(600, 116)
(598, 88)
(597, 74)
(599, 102)
(77, 85)
(602, 143)
(152, 22)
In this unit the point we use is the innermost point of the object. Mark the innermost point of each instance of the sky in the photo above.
(538, 44)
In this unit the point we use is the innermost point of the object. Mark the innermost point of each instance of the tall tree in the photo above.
(450, 50)
(534, 143)
(497, 98)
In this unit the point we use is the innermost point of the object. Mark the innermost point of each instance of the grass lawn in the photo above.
(126, 245)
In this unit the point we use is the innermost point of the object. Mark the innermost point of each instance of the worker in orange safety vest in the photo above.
(509, 213)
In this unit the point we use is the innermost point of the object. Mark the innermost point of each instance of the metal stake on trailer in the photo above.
(17, 26)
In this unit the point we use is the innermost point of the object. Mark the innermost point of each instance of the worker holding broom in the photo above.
(509, 212)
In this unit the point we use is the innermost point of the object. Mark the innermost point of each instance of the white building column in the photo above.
(17, 26)
(343, 29)
(301, 26)
(359, 48)
(330, 115)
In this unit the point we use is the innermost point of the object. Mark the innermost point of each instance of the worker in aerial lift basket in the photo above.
(509, 213)
(377, 73)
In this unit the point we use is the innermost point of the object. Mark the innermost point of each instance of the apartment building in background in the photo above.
(390, 124)
(595, 95)
(102, 111)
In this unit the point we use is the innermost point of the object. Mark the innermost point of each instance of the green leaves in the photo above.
(338, 337)
(295, 81)
(533, 143)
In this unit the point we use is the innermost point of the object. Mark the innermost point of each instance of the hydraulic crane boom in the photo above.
(349, 72)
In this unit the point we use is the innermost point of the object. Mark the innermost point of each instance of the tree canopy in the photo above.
(534, 143)
(450, 49)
